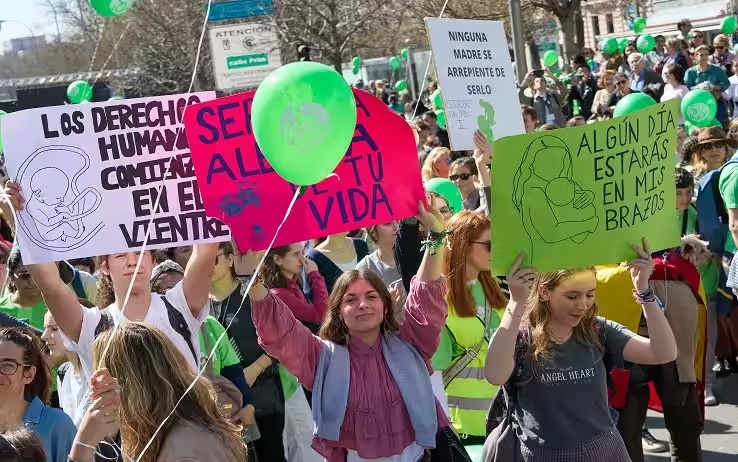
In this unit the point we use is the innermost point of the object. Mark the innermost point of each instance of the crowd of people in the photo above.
(393, 343)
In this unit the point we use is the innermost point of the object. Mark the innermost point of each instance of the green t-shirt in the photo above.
(729, 192)
(225, 354)
(33, 315)
(289, 382)
(709, 271)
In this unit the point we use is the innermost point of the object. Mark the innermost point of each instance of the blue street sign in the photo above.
(237, 9)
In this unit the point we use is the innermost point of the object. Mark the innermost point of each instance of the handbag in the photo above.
(448, 448)
(229, 398)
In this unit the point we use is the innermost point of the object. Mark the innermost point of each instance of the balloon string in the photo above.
(115, 47)
(427, 68)
(214, 348)
(97, 46)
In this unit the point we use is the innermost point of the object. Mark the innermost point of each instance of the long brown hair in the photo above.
(465, 226)
(538, 315)
(32, 356)
(153, 375)
(271, 272)
(333, 327)
(20, 444)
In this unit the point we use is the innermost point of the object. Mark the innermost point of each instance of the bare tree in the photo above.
(332, 28)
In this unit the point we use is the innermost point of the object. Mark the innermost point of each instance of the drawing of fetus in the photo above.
(54, 216)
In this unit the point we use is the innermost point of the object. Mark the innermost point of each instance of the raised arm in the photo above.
(500, 360)
(280, 334)
(660, 347)
(426, 307)
(299, 305)
(199, 270)
(60, 299)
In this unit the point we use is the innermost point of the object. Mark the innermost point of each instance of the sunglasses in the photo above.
(622, 82)
(713, 145)
(487, 244)
(460, 176)
(24, 275)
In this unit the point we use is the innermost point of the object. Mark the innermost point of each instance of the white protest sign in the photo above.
(91, 174)
(243, 54)
(476, 78)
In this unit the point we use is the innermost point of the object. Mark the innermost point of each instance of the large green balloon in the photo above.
(728, 25)
(394, 63)
(436, 99)
(401, 85)
(447, 190)
(405, 54)
(610, 46)
(441, 118)
(111, 8)
(304, 117)
(356, 61)
(2, 113)
(699, 108)
(550, 58)
(639, 25)
(631, 103)
(646, 43)
(79, 91)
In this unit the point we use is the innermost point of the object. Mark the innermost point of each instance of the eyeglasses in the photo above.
(460, 176)
(487, 244)
(23, 275)
(622, 82)
(10, 366)
(713, 145)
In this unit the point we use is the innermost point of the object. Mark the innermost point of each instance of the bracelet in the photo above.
(244, 280)
(434, 241)
(84, 445)
(646, 297)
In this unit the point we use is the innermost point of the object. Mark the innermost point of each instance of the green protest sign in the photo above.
(582, 196)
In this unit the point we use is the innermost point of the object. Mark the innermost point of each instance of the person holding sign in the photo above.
(552, 354)
(372, 395)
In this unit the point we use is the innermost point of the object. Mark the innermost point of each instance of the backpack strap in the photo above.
(62, 370)
(685, 219)
(179, 324)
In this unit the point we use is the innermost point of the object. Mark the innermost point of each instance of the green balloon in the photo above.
(699, 108)
(591, 63)
(2, 113)
(304, 117)
(356, 70)
(356, 61)
(728, 25)
(394, 63)
(405, 54)
(639, 25)
(550, 58)
(441, 118)
(646, 43)
(610, 46)
(111, 8)
(448, 191)
(436, 99)
(78, 91)
(631, 103)
(401, 85)
(622, 43)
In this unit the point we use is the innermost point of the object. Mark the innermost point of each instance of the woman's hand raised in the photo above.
(101, 419)
(431, 218)
(641, 268)
(520, 281)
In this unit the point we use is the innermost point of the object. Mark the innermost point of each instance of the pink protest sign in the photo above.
(377, 181)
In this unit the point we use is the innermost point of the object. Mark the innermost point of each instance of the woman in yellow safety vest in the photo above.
(475, 306)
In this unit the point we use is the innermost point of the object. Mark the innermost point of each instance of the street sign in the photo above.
(238, 9)
(243, 54)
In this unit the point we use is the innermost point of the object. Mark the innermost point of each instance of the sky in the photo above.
(30, 12)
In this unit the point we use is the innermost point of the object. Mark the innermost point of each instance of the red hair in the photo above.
(466, 226)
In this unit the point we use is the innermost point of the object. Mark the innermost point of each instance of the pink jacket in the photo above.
(295, 299)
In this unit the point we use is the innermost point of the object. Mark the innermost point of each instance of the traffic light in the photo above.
(303, 52)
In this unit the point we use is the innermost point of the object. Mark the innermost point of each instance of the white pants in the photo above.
(439, 391)
(298, 430)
